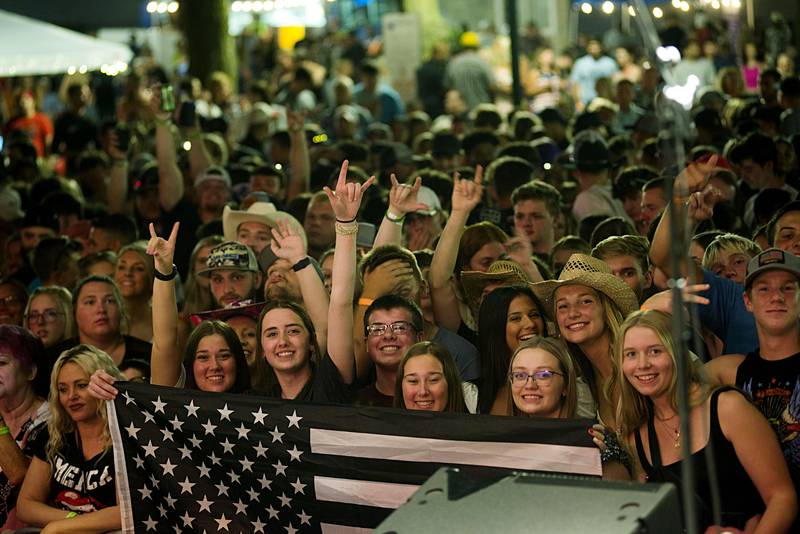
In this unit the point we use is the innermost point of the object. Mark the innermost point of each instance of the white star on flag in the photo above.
(276, 436)
(185, 452)
(132, 431)
(150, 449)
(223, 523)
(166, 434)
(209, 428)
(128, 398)
(242, 431)
(285, 501)
(260, 450)
(294, 419)
(280, 469)
(187, 519)
(246, 464)
(195, 441)
(205, 504)
(234, 476)
(176, 423)
(294, 453)
(148, 417)
(168, 467)
(150, 523)
(224, 413)
(170, 501)
(241, 508)
(191, 408)
(258, 526)
(159, 406)
(204, 471)
(298, 487)
(222, 488)
(214, 459)
(253, 494)
(264, 481)
(145, 491)
(259, 416)
(290, 529)
(186, 486)
(273, 513)
(228, 446)
(305, 519)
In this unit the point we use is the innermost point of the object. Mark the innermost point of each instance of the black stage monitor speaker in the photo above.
(451, 501)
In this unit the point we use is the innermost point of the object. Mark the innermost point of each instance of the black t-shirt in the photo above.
(25, 439)
(774, 387)
(325, 386)
(77, 484)
(370, 396)
(185, 212)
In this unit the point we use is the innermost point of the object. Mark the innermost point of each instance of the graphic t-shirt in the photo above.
(77, 484)
(774, 387)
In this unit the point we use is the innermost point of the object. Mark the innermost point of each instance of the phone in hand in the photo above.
(167, 99)
(187, 114)
(366, 235)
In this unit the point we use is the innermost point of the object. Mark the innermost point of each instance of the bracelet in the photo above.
(393, 218)
(4, 430)
(346, 222)
(166, 277)
(350, 228)
(302, 264)
(70, 515)
(365, 302)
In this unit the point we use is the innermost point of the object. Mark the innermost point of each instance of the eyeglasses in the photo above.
(398, 328)
(520, 378)
(49, 316)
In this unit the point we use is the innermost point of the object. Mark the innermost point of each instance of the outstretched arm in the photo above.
(346, 201)
(170, 180)
(466, 195)
(287, 243)
(165, 360)
(402, 201)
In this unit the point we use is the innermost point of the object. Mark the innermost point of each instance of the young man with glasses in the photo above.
(392, 325)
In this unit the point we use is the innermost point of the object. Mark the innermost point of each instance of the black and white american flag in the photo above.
(189, 461)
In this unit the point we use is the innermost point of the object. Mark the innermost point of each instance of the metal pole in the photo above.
(513, 33)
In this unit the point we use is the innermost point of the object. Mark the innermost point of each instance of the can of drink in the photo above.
(167, 99)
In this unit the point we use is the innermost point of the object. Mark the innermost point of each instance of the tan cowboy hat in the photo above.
(260, 212)
(587, 271)
(502, 272)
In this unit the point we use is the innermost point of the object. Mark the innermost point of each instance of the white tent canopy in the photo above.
(33, 47)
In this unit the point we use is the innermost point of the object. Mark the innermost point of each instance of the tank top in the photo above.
(739, 499)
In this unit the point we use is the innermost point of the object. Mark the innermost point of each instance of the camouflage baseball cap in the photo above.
(230, 256)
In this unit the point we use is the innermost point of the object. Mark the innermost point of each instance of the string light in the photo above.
(657, 12)
(586, 7)
(162, 7)
(608, 7)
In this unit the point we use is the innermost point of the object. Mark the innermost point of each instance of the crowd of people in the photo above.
(317, 237)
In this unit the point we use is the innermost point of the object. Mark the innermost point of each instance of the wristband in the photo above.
(166, 277)
(346, 222)
(70, 515)
(302, 264)
(393, 218)
(4, 430)
(365, 302)
(346, 228)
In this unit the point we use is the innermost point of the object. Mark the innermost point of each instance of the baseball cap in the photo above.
(260, 114)
(230, 256)
(590, 152)
(215, 172)
(773, 259)
(427, 196)
(10, 204)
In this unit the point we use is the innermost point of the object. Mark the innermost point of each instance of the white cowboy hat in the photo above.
(260, 212)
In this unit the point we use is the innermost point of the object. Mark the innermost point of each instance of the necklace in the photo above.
(674, 433)
(662, 419)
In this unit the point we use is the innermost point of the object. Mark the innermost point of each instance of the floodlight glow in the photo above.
(657, 12)
(152, 6)
(631, 11)
(685, 6)
(586, 7)
(607, 7)
(683, 94)
(676, 4)
(668, 54)
(172, 7)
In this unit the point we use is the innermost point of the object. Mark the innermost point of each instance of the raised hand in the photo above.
(101, 385)
(163, 251)
(663, 300)
(467, 193)
(287, 242)
(346, 198)
(701, 204)
(519, 248)
(383, 278)
(695, 176)
(155, 103)
(403, 197)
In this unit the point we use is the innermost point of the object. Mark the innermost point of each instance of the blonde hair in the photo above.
(63, 299)
(558, 349)
(89, 359)
(141, 250)
(732, 242)
(634, 408)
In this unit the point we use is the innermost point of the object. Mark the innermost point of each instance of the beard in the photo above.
(282, 292)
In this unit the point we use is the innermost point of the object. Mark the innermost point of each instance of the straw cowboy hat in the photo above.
(590, 272)
(260, 212)
(501, 272)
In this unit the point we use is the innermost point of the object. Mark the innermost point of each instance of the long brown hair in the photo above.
(452, 376)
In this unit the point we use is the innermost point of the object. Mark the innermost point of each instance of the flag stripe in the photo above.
(528, 456)
(120, 470)
(328, 528)
(361, 492)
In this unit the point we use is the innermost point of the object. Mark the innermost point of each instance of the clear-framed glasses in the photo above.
(543, 376)
(49, 316)
(398, 328)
